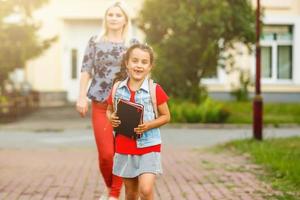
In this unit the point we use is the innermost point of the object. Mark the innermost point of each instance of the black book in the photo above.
(131, 115)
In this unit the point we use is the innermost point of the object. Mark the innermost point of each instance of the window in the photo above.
(74, 63)
(284, 62)
(266, 62)
(277, 52)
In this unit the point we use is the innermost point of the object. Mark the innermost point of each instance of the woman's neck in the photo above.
(134, 85)
(114, 36)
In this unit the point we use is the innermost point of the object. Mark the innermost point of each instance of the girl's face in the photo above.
(139, 64)
(115, 18)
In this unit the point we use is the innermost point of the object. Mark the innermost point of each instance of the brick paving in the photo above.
(189, 174)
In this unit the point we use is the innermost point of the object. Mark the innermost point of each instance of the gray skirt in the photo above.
(130, 166)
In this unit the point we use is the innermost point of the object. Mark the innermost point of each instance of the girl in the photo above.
(101, 62)
(138, 161)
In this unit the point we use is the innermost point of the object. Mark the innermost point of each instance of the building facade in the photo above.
(56, 73)
(280, 60)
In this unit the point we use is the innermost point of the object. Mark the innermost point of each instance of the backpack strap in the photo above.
(113, 92)
(152, 88)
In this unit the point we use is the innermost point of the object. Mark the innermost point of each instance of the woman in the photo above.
(101, 63)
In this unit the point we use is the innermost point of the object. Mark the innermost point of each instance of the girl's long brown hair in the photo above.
(122, 75)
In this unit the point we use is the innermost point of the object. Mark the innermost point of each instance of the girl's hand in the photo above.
(141, 128)
(82, 106)
(114, 120)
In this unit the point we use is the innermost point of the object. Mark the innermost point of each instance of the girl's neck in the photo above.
(114, 36)
(135, 85)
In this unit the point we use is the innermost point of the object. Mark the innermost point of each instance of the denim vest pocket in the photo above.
(148, 108)
(147, 104)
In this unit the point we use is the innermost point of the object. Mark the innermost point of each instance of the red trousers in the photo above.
(104, 138)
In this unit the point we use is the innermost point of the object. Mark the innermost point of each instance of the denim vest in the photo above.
(151, 137)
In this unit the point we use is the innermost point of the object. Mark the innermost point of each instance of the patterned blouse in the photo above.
(102, 61)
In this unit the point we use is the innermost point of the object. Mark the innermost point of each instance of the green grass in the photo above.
(281, 160)
(274, 113)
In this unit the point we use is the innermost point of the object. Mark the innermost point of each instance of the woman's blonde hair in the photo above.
(127, 30)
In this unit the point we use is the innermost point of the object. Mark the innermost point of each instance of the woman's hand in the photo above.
(142, 128)
(114, 120)
(82, 106)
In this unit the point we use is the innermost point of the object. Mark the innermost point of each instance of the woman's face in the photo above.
(115, 19)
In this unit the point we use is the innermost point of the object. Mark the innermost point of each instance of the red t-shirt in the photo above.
(125, 145)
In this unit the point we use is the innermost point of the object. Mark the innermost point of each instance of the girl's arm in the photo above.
(112, 117)
(164, 117)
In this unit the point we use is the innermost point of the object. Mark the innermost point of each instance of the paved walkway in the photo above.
(51, 156)
(73, 174)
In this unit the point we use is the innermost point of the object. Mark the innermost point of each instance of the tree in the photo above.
(189, 37)
(19, 41)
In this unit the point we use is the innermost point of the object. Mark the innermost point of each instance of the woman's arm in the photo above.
(164, 117)
(82, 102)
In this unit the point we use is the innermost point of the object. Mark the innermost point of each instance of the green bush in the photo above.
(176, 112)
(207, 111)
(191, 112)
(273, 113)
